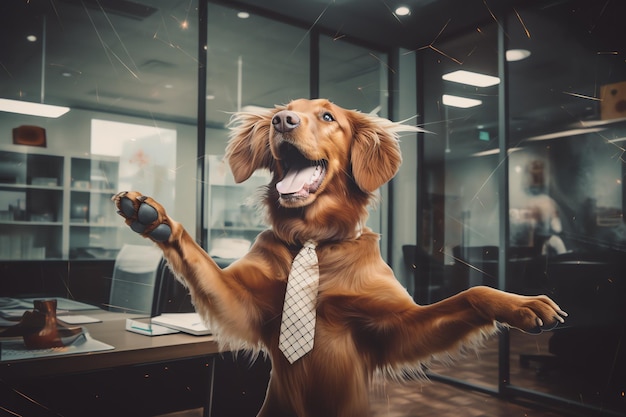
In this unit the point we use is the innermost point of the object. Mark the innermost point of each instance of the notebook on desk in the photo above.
(185, 322)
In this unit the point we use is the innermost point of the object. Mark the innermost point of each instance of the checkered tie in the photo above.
(298, 324)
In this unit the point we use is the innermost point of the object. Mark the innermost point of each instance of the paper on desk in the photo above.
(14, 349)
(78, 319)
(185, 322)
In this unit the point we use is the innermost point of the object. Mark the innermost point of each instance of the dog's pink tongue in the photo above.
(295, 180)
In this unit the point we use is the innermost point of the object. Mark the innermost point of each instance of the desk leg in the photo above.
(208, 406)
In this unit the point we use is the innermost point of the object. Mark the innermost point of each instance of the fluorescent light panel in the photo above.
(462, 102)
(32, 109)
(513, 55)
(474, 79)
(564, 133)
(495, 151)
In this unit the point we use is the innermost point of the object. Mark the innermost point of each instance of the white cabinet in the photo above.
(57, 206)
(233, 220)
(94, 226)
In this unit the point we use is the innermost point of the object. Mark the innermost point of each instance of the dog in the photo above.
(326, 163)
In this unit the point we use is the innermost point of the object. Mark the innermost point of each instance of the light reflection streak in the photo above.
(466, 263)
(593, 26)
(432, 47)
(106, 16)
(311, 27)
(10, 412)
(29, 399)
(494, 17)
(108, 51)
(526, 31)
(582, 96)
(382, 62)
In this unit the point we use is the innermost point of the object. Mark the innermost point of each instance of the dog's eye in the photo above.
(327, 117)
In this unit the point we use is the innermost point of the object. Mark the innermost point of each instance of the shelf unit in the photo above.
(232, 218)
(57, 206)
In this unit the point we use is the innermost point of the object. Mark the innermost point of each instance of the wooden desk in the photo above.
(130, 349)
(90, 377)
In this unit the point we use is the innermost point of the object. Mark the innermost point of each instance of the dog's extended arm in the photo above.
(396, 331)
(229, 298)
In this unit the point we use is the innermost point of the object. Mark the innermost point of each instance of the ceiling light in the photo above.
(564, 133)
(31, 38)
(513, 55)
(462, 102)
(32, 109)
(471, 78)
(243, 15)
(495, 151)
(402, 11)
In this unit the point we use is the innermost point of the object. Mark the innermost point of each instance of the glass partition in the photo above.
(123, 78)
(460, 220)
(116, 65)
(566, 198)
(564, 228)
(252, 62)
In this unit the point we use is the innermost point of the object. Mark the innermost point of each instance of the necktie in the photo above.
(297, 328)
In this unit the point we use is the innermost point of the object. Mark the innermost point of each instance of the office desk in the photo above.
(130, 349)
(99, 383)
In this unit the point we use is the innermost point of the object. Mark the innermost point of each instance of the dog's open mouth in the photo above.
(302, 176)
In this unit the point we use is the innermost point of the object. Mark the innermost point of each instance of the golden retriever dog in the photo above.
(326, 163)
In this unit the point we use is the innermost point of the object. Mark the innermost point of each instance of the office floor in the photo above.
(423, 398)
(420, 398)
(433, 398)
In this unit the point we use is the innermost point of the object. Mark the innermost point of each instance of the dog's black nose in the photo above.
(285, 121)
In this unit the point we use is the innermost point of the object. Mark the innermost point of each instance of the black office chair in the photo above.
(427, 274)
(170, 295)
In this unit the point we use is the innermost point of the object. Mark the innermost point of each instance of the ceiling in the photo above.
(139, 57)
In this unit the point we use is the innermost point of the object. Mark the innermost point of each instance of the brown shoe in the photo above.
(40, 328)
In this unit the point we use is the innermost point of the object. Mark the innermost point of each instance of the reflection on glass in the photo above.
(566, 197)
(252, 61)
(459, 246)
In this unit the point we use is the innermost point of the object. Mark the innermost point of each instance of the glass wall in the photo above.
(125, 77)
(566, 172)
(257, 62)
(533, 178)
(460, 217)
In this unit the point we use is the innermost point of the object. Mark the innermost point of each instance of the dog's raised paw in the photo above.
(142, 216)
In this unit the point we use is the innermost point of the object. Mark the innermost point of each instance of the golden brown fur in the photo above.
(366, 319)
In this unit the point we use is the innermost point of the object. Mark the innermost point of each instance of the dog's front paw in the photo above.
(144, 215)
(532, 314)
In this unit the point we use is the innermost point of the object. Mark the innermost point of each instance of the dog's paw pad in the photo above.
(161, 233)
(137, 227)
(126, 207)
(147, 214)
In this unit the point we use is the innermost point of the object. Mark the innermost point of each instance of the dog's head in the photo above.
(318, 153)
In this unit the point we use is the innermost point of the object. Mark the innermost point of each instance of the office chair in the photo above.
(134, 279)
(427, 274)
(170, 295)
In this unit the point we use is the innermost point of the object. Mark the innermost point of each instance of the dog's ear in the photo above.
(248, 148)
(375, 151)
